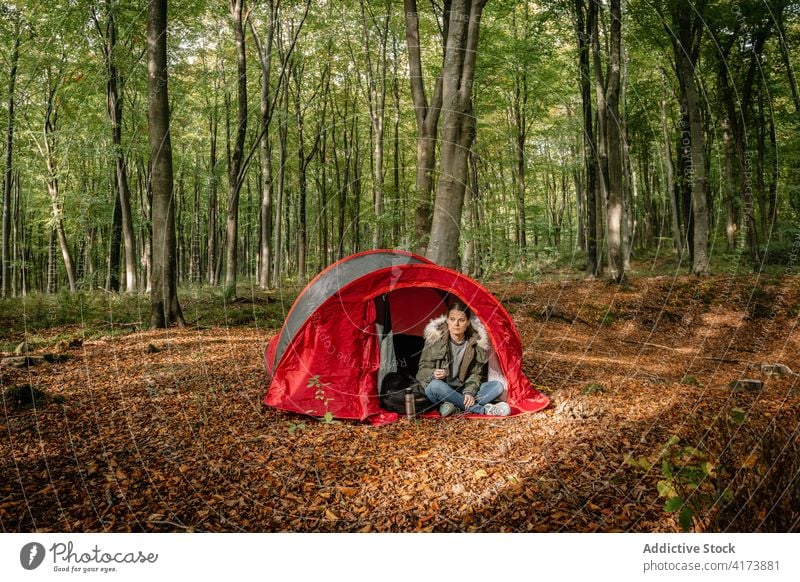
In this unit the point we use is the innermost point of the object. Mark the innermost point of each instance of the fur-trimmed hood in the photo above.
(437, 329)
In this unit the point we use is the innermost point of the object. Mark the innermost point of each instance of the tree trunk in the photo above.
(264, 51)
(670, 194)
(615, 215)
(50, 125)
(399, 224)
(235, 168)
(688, 27)
(52, 268)
(427, 120)
(114, 103)
(164, 306)
(519, 119)
(302, 181)
(731, 219)
(584, 29)
(212, 239)
(115, 239)
(469, 204)
(5, 256)
(761, 184)
(282, 154)
(194, 237)
(458, 129)
(376, 100)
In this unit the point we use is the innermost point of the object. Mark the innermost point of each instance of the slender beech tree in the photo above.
(670, 179)
(108, 36)
(518, 118)
(585, 11)
(427, 118)
(164, 305)
(458, 129)
(236, 167)
(264, 52)
(50, 143)
(5, 257)
(376, 100)
(685, 32)
(615, 215)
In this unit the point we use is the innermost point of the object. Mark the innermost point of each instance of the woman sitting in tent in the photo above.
(452, 365)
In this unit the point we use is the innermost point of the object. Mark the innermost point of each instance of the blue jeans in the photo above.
(439, 391)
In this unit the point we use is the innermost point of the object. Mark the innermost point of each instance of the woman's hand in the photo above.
(469, 400)
(439, 374)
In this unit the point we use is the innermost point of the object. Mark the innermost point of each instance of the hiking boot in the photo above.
(499, 409)
(447, 409)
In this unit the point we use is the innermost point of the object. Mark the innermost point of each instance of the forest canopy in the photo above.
(579, 133)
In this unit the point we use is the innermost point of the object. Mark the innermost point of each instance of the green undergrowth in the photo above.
(44, 321)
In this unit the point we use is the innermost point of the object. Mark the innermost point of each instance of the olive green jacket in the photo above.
(436, 354)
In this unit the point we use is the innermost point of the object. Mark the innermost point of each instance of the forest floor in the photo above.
(165, 430)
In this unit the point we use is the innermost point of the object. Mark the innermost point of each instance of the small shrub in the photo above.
(593, 388)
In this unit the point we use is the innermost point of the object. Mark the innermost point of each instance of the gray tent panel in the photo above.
(329, 283)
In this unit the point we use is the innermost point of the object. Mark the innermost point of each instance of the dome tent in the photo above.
(364, 316)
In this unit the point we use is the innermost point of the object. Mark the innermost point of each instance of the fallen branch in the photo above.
(172, 523)
(648, 344)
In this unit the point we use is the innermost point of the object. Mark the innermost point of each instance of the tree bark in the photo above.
(5, 256)
(212, 239)
(264, 51)
(376, 100)
(282, 155)
(584, 29)
(50, 126)
(688, 26)
(458, 129)
(427, 120)
(235, 177)
(615, 216)
(676, 228)
(164, 305)
(519, 119)
(114, 103)
(115, 240)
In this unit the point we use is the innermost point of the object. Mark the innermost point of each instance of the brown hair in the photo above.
(458, 305)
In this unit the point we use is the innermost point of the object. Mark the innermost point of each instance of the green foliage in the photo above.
(608, 319)
(688, 480)
(320, 393)
(738, 415)
(49, 319)
(296, 426)
(690, 381)
(593, 388)
(783, 247)
(525, 80)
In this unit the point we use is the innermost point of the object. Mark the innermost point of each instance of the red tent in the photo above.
(362, 317)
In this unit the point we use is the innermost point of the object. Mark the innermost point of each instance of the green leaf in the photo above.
(666, 489)
(708, 468)
(727, 495)
(685, 518)
(328, 417)
(737, 415)
(630, 460)
(673, 504)
(690, 451)
(666, 469)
